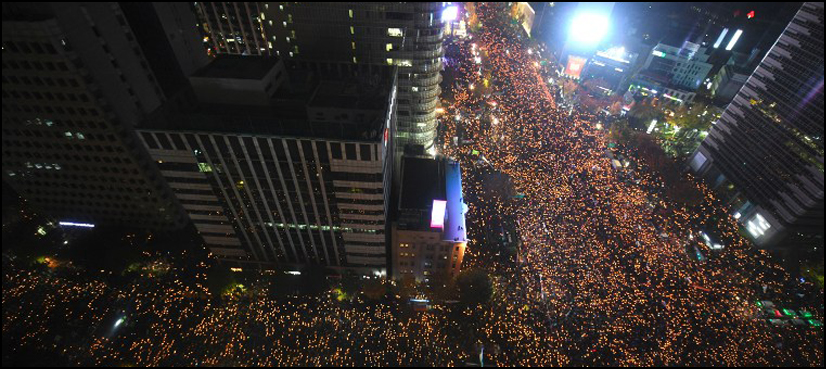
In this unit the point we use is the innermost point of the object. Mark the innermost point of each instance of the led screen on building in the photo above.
(575, 65)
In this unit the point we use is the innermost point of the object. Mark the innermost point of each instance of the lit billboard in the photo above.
(437, 214)
(527, 14)
(575, 65)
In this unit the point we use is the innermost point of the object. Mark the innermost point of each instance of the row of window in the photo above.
(60, 150)
(20, 107)
(175, 142)
(35, 65)
(29, 47)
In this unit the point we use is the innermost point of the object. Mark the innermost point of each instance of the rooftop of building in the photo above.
(422, 181)
(237, 67)
(358, 101)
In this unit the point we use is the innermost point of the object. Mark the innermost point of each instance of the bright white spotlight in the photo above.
(588, 28)
(450, 13)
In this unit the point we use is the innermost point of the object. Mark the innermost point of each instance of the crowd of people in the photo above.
(601, 275)
(607, 253)
(166, 321)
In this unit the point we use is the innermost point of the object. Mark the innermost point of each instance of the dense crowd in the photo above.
(603, 272)
(606, 251)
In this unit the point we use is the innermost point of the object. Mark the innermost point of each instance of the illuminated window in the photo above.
(758, 225)
(354, 60)
(204, 168)
(353, 45)
(388, 47)
(404, 63)
(395, 32)
(352, 30)
(351, 13)
(389, 61)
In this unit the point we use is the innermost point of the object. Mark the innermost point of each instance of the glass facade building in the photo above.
(766, 151)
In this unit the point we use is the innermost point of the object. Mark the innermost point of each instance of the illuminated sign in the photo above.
(437, 215)
(750, 15)
(651, 126)
(734, 39)
(574, 67)
(73, 224)
(658, 53)
(720, 38)
(527, 14)
(672, 98)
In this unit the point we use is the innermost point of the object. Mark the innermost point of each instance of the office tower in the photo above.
(766, 151)
(282, 167)
(75, 84)
(428, 239)
(233, 27)
(407, 35)
(169, 35)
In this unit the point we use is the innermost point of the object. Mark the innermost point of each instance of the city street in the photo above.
(597, 254)
(581, 250)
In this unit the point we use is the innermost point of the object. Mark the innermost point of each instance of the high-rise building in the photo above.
(282, 167)
(407, 35)
(428, 239)
(231, 27)
(75, 84)
(766, 151)
(164, 30)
